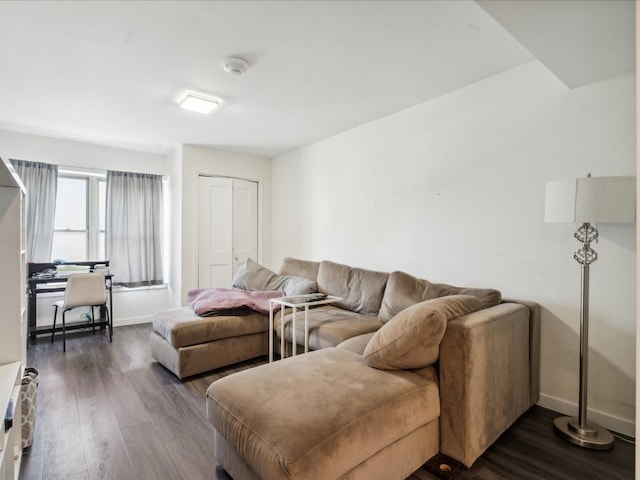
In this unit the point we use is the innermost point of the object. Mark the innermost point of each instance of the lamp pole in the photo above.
(577, 430)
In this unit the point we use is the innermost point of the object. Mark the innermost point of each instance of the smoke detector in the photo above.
(235, 66)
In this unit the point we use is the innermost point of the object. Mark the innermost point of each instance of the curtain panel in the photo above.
(134, 228)
(41, 182)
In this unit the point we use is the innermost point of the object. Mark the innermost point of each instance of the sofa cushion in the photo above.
(253, 276)
(404, 290)
(411, 339)
(300, 268)
(347, 413)
(181, 326)
(361, 289)
(328, 326)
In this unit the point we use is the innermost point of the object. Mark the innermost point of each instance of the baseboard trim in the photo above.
(616, 424)
(123, 322)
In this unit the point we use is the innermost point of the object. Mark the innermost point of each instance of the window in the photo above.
(80, 217)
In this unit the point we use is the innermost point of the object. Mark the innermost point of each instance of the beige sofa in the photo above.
(403, 369)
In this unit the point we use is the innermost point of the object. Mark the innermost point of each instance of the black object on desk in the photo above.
(41, 276)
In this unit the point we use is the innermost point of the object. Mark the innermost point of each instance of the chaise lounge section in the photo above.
(187, 344)
(192, 340)
(324, 415)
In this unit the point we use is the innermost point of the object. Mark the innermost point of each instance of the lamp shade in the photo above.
(591, 200)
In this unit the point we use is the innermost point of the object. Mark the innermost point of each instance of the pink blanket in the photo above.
(223, 301)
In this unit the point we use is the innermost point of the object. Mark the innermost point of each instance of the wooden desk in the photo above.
(37, 285)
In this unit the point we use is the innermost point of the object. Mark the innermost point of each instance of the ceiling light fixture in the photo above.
(199, 103)
(235, 66)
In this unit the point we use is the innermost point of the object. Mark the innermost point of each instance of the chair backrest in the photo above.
(85, 289)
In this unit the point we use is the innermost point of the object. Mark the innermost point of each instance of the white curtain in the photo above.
(41, 182)
(134, 228)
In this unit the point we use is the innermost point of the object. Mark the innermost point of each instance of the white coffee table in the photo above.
(295, 303)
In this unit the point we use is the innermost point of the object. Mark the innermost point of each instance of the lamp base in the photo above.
(591, 436)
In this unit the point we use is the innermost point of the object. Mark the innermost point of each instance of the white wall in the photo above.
(453, 191)
(198, 160)
(79, 154)
(130, 306)
(175, 222)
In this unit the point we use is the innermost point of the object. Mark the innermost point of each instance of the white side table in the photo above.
(295, 303)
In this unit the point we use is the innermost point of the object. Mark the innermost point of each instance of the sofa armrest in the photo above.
(484, 378)
(534, 345)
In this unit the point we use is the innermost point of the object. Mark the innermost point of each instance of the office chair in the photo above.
(83, 290)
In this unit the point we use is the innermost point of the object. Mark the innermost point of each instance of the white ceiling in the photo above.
(113, 72)
(581, 41)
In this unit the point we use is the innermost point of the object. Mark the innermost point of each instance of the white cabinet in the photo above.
(11, 440)
(13, 314)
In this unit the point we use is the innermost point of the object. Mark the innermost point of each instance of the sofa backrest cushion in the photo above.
(404, 290)
(411, 339)
(361, 289)
(300, 268)
(253, 276)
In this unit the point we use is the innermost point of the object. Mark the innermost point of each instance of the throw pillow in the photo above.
(411, 339)
(253, 276)
(404, 290)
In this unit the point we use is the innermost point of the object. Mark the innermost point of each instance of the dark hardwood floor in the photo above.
(107, 411)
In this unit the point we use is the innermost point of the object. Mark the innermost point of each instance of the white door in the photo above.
(227, 229)
(245, 222)
(215, 232)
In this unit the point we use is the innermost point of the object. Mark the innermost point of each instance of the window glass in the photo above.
(71, 204)
(69, 246)
(70, 234)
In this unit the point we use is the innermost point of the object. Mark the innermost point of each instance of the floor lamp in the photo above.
(588, 201)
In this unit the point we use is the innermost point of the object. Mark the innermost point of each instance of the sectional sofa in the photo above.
(400, 369)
